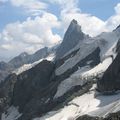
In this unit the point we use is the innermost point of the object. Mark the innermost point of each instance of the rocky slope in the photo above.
(62, 89)
(110, 81)
(5, 70)
(25, 60)
(72, 37)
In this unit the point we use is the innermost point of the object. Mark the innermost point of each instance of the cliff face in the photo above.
(29, 91)
(110, 81)
(72, 37)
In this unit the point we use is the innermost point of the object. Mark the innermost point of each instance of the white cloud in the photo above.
(7, 47)
(117, 8)
(67, 5)
(69, 10)
(35, 7)
(30, 35)
(90, 24)
(36, 33)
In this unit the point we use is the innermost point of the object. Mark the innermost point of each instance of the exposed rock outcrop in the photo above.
(5, 70)
(72, 37)
(110, 81)
(6, 92)
(30, 91)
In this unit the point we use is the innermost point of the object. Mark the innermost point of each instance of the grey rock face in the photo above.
(6, 92)
(118, 46)
(94, 57)
(5, 70)
(72, 37)
(110, 81)
(30, 91)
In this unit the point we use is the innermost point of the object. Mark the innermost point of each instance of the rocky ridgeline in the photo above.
(33, 90)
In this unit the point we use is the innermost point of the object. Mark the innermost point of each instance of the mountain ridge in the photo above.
(65, 88)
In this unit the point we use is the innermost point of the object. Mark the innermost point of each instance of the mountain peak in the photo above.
(72, 37)
(74, 21)
(74, 24)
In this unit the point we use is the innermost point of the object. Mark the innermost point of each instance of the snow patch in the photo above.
(73, 80)
(105, 41)
(26, 67)
(88, 103)
(100, 68)
(84, 51)
(81, 76)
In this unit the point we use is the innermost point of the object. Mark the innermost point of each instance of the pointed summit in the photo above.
(74, 26)
(74, 21)
(72, 37)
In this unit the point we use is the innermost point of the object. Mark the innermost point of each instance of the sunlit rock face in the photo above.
(72, 37)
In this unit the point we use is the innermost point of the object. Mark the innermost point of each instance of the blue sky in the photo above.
(100, 8)
(28, 25)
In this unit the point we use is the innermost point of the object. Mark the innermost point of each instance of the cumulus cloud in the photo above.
(33, 34)
(114, 20)
(117, 8)
(67, 5)
(34, 7)
(30, 35)
(90, 24)
(69, 10)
